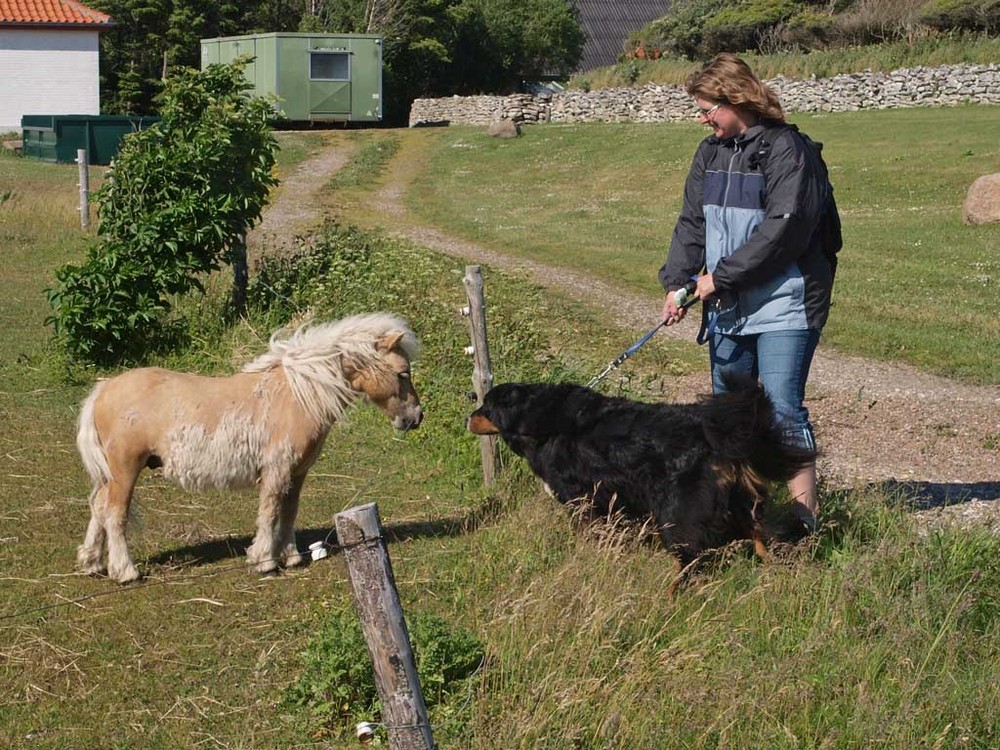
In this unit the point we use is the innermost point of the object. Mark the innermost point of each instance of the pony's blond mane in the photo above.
(312, 359)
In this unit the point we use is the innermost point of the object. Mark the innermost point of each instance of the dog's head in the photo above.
(529, 410)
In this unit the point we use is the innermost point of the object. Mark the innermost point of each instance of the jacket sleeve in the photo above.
(686, 256)
(794, 202)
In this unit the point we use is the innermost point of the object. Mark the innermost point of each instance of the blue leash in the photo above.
(684, 300)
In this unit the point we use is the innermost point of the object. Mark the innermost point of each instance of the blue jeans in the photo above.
(780, 360)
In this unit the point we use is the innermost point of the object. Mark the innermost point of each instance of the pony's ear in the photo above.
(389, 341)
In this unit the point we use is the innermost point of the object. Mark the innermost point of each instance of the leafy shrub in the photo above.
(807, 29)
(177, 203)
(680, 33)
(964, 15)
(329, 273)
(337, 680)
(740, 28)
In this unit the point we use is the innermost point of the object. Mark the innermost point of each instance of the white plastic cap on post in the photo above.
(365, 732)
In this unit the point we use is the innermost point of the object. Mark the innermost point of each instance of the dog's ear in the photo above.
(526, 409)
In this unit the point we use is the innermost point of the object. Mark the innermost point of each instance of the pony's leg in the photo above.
(118, 499)
(265, 552)
(286, 524)
(90, 554)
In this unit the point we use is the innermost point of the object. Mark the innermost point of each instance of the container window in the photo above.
(329, 66)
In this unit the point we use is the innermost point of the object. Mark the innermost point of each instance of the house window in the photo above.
(329, 66)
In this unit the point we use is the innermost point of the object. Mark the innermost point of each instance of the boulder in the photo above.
(504, 129)
(982, 202)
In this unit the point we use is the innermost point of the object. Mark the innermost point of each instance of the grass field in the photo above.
(871, 636)
(914, 283)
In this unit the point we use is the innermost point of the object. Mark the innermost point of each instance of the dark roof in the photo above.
(607, 24)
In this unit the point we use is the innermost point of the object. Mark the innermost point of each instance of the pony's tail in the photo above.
(88, 442)
(741, 428)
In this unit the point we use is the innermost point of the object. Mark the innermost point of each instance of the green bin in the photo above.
(58, 137)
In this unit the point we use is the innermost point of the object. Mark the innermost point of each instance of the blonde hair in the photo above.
(729, 80)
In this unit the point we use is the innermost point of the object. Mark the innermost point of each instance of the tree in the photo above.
(442, 47)
(151, 36)
(535, 37)
(177, 203)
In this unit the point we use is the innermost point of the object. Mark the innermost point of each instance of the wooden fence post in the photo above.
(482, 375)
(359, 533)
(83, 168)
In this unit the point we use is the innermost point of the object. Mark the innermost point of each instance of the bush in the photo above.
(741, 28)
(680, 33)
(808, 29)
(962, 15)
(176, 204)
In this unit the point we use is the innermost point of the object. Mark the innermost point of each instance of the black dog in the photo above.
(700, 471)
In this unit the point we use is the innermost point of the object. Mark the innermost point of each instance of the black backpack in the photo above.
(830, 236)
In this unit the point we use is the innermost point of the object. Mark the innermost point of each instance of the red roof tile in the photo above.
(49, 12)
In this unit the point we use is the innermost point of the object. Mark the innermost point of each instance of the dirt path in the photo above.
(876, 422)
(297, 207)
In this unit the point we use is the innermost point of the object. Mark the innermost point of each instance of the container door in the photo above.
(329, 82)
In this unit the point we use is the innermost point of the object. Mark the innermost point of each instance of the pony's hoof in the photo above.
(265, 568)
(292, 560)
(127, 575)
(89, 562)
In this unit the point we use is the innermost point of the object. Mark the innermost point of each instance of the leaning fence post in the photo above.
(359, 533)
(482, 375)
(82, 162)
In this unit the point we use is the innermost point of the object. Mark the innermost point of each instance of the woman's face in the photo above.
(725, 120)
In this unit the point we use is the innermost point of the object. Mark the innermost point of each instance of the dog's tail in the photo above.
(742, 429)
(88, 442)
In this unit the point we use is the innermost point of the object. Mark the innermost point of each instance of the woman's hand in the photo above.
(671, 312)
(705, 288)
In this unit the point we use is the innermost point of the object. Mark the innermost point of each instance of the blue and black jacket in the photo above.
(752, 205)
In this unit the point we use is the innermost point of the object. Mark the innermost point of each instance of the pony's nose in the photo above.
(409, 421)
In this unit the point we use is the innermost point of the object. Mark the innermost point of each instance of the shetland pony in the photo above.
(699, 471)
(263, 426)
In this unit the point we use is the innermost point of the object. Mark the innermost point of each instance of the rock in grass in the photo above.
(504, 129)
(982, 202)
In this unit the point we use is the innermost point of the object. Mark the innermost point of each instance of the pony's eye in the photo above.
(404, 375)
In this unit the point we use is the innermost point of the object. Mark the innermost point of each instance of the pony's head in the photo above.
(329, 365)
(385, 380)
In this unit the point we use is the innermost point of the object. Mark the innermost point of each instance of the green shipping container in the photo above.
(316, 77)
(58, 137)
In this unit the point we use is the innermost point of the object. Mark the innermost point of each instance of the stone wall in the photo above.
(908, 87)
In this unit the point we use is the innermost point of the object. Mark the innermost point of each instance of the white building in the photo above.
(49, 59)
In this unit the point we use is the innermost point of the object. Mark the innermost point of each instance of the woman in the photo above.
(747, 232)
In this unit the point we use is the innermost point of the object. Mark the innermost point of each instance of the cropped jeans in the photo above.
(780, 360)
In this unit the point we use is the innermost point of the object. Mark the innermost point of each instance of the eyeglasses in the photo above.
(708, 112)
